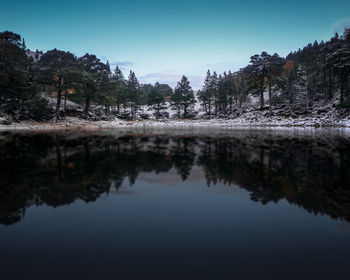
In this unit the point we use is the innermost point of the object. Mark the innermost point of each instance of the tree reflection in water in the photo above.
(57, 169)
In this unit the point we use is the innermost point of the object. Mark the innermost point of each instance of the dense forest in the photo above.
(316, 74)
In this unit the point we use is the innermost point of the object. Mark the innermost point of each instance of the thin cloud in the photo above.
(161, 75)
(340, 25)
(220, 64)
(171, 78)
(123, 63)
(220, 67)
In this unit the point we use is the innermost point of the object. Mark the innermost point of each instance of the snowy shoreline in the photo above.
(273, 122)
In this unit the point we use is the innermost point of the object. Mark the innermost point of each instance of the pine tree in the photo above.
(119, 87)
(14, 66)
(214, 85)
(223, 88)
(56, 69)
(108, 69)
(205, 96)
(132, 93)
(23, 44)
(338, 58)
(257, 70)
(95, 76)
(156, 99)
(183, 97)
(274, 65)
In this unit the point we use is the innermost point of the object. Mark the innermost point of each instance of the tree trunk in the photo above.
(262, 92)
(87, 104)
(307, 100)
(209, 103)
(215, 104)
(270, 96)
(65, 101)
(291, 99)
(324, 83)
(330, 86)
(341, 86)
(59, 97)
(118, 103)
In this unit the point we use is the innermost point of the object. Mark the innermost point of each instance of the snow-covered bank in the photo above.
(319, 115)
(247, 120)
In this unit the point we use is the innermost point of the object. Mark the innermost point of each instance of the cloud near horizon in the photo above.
(225, 64)
(123, 63)
(171, 78)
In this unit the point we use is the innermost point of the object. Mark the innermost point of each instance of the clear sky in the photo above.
(161, 40)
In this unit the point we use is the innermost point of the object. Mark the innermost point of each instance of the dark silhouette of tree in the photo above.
(56, 70)
(132, 93)
(18, 90)
(183, 97)
(156, 99)
(95, 75)
(119, 87)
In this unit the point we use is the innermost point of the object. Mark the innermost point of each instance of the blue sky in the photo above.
(161, 40)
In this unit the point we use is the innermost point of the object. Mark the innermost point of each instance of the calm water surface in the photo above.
(193, 205)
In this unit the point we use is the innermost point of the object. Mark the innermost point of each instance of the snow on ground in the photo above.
(52, 100)
(326, 116)
(72, 123)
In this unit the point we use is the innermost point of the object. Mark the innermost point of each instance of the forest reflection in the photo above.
(58, 169)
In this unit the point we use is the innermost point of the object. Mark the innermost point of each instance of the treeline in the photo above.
(61, 73)
(317, 73)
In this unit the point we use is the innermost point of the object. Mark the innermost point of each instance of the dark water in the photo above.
(199, 205)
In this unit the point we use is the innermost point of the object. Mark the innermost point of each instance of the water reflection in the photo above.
(58, 169)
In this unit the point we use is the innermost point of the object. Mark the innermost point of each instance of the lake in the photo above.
(175, 204)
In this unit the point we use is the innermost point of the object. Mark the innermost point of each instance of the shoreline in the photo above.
(81, 124)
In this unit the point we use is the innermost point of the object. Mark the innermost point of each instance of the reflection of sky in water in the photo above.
(184, 226)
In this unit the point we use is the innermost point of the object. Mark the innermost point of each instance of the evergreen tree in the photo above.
(156, 99)
(164, 89)
(132, 93)
(287, 82)
(214, 85)
(257, 70)
(240, 86)
(223, 89)
(203, 99)
(274, 64)
(118, 88)
(338, 58)
(56, 69)
(95, 76)
(18, 90)
(183, 97)
(14, 67)
(206, 94)
(176, 99)
(108, 68)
